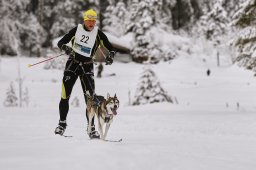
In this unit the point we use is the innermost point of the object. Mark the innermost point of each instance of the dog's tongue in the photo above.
(114, 111)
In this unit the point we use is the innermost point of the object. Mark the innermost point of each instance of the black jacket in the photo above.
(100, 37)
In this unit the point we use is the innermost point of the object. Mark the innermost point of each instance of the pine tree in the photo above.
(115, 18)
(245, 41)
(9, 12)
(11, 98)
(214, 23)
(32, 35)
(167, 16)
(182, 14)
(18, 24)
(57, 17)
(149, 89)
(144, 17)
(232, 7)
(35, 23)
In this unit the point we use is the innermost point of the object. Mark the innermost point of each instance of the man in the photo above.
(85, 39)
(100, 69)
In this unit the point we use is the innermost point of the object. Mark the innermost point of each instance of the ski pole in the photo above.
(30, 65)
(102, 53)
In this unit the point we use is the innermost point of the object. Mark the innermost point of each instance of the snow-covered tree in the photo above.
(167, 16)
(18, 24)
(115, 19)
(9, 12)
(245, 40)
(183, 14)
(35, 23)
(232, 7)
(149, 89)
(144, 16)
(11, 97)
(58, 17)
(213, 23)
(32, 35)
(65, 16)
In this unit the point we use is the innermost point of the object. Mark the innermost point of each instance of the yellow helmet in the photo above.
(90, 15)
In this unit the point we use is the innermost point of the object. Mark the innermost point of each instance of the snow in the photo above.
(206, 130)
(124, 41)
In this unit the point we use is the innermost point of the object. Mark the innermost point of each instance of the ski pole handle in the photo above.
(30, 65)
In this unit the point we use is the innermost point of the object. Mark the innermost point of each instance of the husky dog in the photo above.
(105, 110)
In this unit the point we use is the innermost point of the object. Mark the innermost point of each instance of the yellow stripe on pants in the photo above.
(63, 92)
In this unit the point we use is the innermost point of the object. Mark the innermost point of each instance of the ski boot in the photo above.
(61, 128)
(94, 134)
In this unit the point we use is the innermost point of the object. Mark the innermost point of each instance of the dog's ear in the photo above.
(115, 96)
(108, 95)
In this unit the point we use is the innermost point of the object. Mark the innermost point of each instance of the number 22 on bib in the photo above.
(84, 40)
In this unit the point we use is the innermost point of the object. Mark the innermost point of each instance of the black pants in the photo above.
(73, 70)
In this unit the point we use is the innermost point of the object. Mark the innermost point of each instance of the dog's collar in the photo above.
(107, 116)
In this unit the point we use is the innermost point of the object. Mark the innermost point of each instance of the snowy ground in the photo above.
(205, 131)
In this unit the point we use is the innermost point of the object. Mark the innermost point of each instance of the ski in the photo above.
(105, 140)
(109, 140)
(66, 136)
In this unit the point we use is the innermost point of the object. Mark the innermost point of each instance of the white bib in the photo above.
(84, 40)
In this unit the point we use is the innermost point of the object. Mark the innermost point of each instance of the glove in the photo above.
(110, 57)
(68, 50)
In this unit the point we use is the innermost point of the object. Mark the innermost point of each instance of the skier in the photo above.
(208, 72)
(100, 69)
(85, 39)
